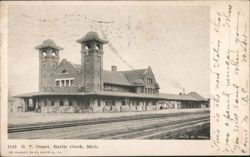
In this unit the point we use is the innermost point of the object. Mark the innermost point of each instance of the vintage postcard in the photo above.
(128, 78)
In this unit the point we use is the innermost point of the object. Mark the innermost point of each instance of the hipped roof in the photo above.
(48, 44)
(91, 36)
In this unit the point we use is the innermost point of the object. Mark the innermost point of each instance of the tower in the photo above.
(91, 62)
(48, 61)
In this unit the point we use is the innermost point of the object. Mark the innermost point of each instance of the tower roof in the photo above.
(91, 36)
(48, 44)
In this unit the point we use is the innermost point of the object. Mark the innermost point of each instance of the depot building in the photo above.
(87, 87)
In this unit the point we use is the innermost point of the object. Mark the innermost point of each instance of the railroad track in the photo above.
(54, 125)
(119, 130)
(150, 130)
(158, 133)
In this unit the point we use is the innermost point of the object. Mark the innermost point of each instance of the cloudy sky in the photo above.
(173, 40)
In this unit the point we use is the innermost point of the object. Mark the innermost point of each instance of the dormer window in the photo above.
(44, 53)
(64, 71)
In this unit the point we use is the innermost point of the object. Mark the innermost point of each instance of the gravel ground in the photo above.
(34, 118)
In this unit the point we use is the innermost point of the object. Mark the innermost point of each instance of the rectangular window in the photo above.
(113, 102)
(67, 83)
(52, 103)
(123, 103)
(57, 83)
(114, 88)
(87, 61)
(106, 87)
(63, 83)
(70, 103)
(154, 103)
(137, 103)
(99, 102)
(61, 103)
(108, 102)
(71, 82)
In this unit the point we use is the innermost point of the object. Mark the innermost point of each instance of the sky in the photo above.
(172, 40)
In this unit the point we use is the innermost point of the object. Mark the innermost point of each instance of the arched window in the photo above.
(44, 53)
(53, 53)
(87, 46)
(98, 47)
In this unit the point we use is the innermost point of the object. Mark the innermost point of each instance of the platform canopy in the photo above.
(193, 96)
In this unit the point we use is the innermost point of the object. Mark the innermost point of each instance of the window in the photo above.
(61, 103)
(71, 82)
(97, 46)
(52, 103)
(63, 83)
(114, 88)
(87, 84)
(70, 103)
(108, 102)
(107, 87)
(64, 71)
(113, 103)
(123, 103)
(53, 53)
(44, 53)
(57, 83)
(87, 61)
(154, 103)
(137, 103)
(87, 46)
(67, 83)
(99, 102)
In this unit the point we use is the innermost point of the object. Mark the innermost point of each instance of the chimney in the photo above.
(113, 68)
